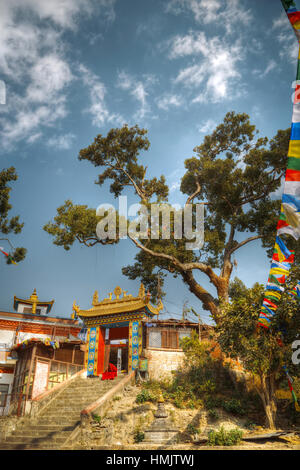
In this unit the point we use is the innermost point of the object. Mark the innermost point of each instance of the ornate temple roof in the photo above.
(126, 303)
(34, 302)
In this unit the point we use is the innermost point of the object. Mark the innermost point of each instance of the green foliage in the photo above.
(7, 225)
(258, 349)
(144, 396)
(96, 418)
(117, 154)
(225, 438)
(138, 436)
(250, 425)
(75, 222)
(191, 429)
(234, 406)
(213, 414)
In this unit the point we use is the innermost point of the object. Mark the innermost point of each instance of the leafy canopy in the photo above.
(9, 225)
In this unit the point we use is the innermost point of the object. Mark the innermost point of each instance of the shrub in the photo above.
(224, 438)
(96, 418)
(213, 414)
(138, 436)
(234, 406)
(144, 396)
(191, 429)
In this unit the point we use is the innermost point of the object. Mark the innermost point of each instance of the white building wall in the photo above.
(162, 362)
(6, 336)
(6, 379)
(23, 335)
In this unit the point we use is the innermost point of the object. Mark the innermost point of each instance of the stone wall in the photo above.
(161, 362)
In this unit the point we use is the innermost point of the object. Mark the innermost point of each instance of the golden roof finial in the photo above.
(76, 310)
(33, 296)
(95, 298)
(117, 292)
(142, 290)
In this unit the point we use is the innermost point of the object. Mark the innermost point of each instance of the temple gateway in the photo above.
(115, 332)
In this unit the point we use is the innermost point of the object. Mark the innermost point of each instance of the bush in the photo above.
(213, 414)
(224, 438)
(144, 396)
(96, 418)
(191, 429)
(234, 406)
(139, 436)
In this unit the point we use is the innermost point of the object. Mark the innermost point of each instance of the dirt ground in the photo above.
(117, 427)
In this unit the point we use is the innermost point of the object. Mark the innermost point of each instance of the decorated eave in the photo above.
(33, 301)
(122, 307)
(54, 343)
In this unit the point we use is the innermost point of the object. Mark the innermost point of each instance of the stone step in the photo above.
(35, 440)
(42, 428)
(40, 433)
(77, 401)
(82, 393)
(59, 407)
(69, 421)
(21, 446)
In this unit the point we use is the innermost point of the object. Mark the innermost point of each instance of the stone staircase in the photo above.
(53, 426)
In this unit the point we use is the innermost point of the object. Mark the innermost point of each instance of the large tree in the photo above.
(262, 352)
(9, 225)
(233, 172)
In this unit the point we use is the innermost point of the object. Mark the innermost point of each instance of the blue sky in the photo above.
(76, 68)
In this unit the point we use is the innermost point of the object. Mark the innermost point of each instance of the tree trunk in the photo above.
(205, 297)
(267, 395)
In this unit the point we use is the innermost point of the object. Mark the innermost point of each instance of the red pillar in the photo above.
(101, 349)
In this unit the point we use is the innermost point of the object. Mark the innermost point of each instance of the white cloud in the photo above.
(281, 22)
(139, 90)
(289, 47)
(270, 66)
(213, 11)
(48, 76)
(33, 55)
(170, 100)
(62, 142)
(216, 71)
(174, 187)
(98, 108)
(207, 127)
(63, 13)
(43, 101)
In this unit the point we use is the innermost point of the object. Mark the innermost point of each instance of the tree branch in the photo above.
(192, 196)
(182, 267)
(239, 245)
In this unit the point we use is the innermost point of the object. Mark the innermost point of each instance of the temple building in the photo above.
(31, 341)
(126, 332)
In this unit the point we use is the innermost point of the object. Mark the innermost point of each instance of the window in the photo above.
(155, 339)
(166, 338)
(3, 394)
(27, 310)
(169, 339)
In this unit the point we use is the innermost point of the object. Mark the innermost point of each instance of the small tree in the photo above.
(7, 225)
(258, 349)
